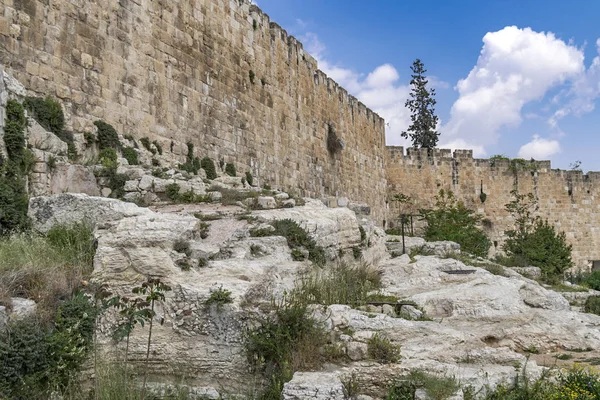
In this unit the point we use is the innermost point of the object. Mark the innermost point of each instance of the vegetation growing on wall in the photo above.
(13, 171)
(107, 135)
(451, 220)
(130, 155)
(49, 114)
(230, 169)
(192, 163)
(208, 165)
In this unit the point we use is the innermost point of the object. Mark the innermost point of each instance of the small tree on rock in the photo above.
(421, 105)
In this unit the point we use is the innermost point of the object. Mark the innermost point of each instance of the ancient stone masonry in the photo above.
(568, 199)
(216, 73)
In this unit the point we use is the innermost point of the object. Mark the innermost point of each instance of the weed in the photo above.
(172, 191)
(298, 255)
(107, 135)
(230, 169)
(436, 387)
(208, 166)
(296, 238)
(208, 217)
(146, 143)
(48, 113)
(219, 297)
(351, 386)
(255, 250)
(130, 155)
(202, 262)
(357, 253)
(338, 284)
(382, 350)
(592, 305)
(249, 178)
(158, 147)
(182, 246)
(252, 76)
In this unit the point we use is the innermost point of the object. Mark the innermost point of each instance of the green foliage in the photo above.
(13, 172)
(421, 131)
(357, 253)
(382, 350)
(153, 291)
(48, 113)
(146, 143)
(182, 246)
(296, 238)
(252, 76)
(219, 297)
(577, 382)
(75, 242)
(116, 182)
(285, 340)
(591, 280)
(401, 390)
(35, 359)
(363, 234)
(230, 169)
(130, 155)
(338, 284)
(24, 359)
(249, 178)
(158, 147)
(208, 165)
(192, 163)
(172, 191)
(108, 157)
(107, 135)
(451, 220)
(51, 163)
(535, 241)
(592, 305)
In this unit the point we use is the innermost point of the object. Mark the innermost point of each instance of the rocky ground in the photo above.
(480, 327)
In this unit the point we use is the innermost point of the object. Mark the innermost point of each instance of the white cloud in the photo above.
(516, 66)
(539, 148)
(582, 94)
(460, 144)
(380, 90)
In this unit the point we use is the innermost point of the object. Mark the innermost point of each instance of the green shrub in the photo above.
(208, 165)
(130, 155)
(48, 113)
(249, 178)
(436, 387)
(535, 241)
(219, 297)
(252, 76)
(146, 143)
(172, 191)
(107, 135)
(192, 163)
(357, 253)
(182, 246)
(382, 350)
(13, 172)
(451, 220)
(24, 360)
(108, 157)
(230, 169)
(158, 147)
(286, 340)
(592, 280)
(35, 359)
(296, 238)
(592, 305)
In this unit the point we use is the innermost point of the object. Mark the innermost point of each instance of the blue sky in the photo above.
(518, 78)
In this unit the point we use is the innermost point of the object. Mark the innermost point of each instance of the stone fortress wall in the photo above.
(568, 199)
(180, 71)
(216, 73)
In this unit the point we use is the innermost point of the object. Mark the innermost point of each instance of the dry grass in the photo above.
(46, 269)
(338, 284)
